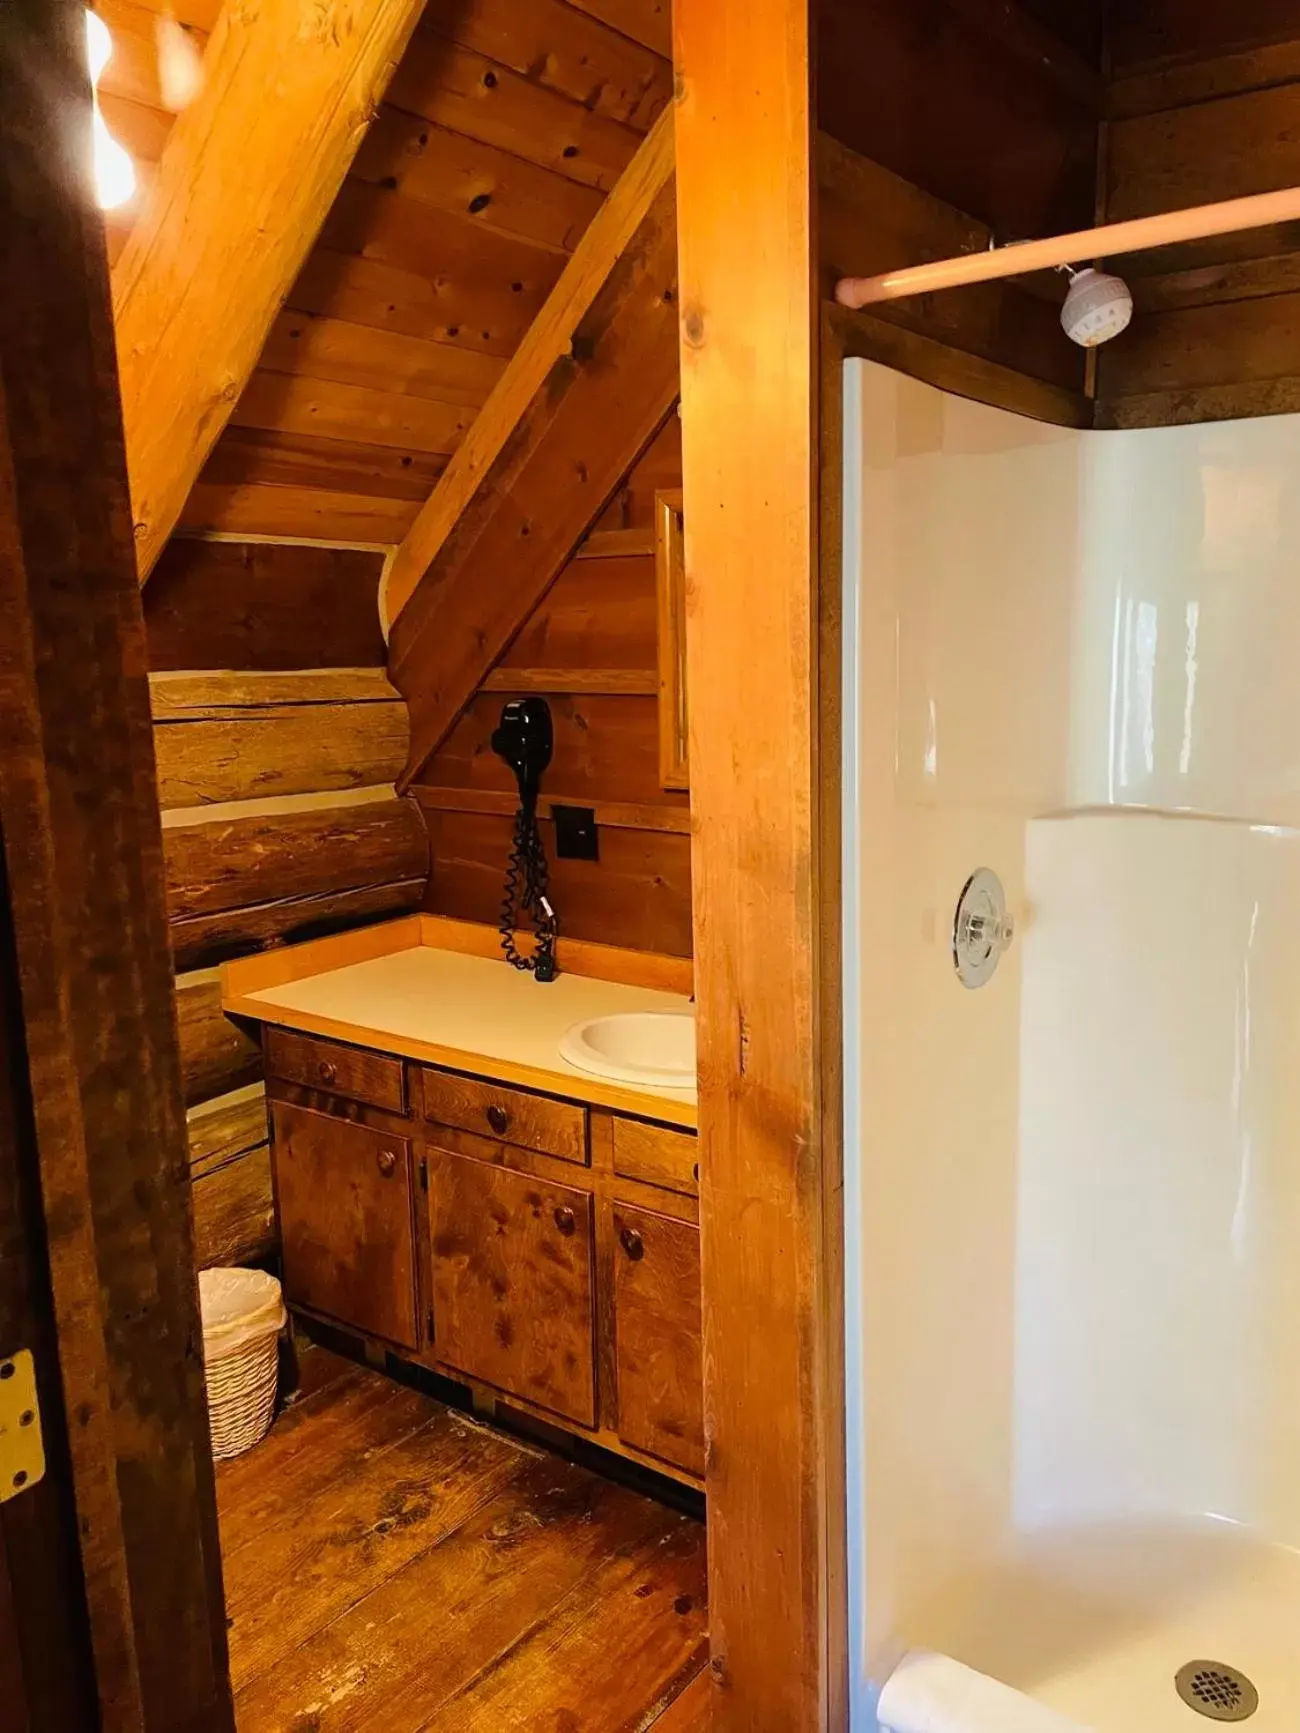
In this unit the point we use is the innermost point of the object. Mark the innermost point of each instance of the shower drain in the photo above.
(1216, 1691)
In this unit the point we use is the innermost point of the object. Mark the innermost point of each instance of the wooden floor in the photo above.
(392, 1565)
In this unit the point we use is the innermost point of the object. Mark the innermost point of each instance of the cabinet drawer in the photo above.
(370, 1077)
(656, 1155)
(657, 1330)
(512, 1282)
(511, 1115)
(347, 1223)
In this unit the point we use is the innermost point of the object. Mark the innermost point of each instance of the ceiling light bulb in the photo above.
(99, 47)
(1097, 307)
(114, 170)
(180, 64)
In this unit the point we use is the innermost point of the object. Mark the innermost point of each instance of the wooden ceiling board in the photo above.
(501, 133)
(648, 22)
(260, 510)
(470, 179)
(309, 463)
(323, 348)
(392, 230)
(566, 51)
(296, 403)
(471, 94)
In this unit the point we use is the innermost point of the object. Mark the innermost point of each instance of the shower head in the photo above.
(1097, 307)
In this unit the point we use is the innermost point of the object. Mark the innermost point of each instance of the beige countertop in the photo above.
(470, 1012)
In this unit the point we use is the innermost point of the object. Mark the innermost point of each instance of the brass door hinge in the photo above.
(22, 1454)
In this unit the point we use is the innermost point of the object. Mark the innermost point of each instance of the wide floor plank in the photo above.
(401, 1502)
(442, 1575)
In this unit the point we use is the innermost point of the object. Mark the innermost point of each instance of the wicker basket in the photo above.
(243, 1315)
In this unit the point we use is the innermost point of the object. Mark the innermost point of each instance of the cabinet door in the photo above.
(346, 1223)
(657, 1328)
(512, 1284)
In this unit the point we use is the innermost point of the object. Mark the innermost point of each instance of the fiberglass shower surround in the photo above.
(1074, 1194)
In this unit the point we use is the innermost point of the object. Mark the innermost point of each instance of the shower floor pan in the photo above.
(1095, 1623)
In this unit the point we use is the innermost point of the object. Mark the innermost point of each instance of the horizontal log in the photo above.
(230, 1172)
(221, 1131)
(234, 1213)
(217, 1053)
(236, 884)
(244, 736)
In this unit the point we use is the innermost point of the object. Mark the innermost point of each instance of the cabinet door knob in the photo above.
(632, 1244)
(387, 1163)
(327, 1071)
(565, 1219)
(498, 1119)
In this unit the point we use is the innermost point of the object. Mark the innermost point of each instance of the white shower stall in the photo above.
(1073, 1194)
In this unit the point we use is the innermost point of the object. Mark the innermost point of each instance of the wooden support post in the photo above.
(765, 884)
(247, 176)
(100, 1091)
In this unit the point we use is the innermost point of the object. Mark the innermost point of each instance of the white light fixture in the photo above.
(114, 170)
(1097, 307)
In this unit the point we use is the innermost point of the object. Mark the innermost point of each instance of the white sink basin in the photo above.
(635, 1047)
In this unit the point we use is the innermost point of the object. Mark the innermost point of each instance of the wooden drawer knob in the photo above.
(565, 1219)
(498, 1119)
(328, 1072)
(387, 1163)
(632, 1244)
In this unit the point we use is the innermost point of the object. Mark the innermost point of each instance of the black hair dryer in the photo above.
(524, 738)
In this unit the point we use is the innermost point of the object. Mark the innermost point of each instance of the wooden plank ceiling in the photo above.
(505, 127)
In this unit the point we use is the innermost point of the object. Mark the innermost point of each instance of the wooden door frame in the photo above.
(763, 649)
(85, 903)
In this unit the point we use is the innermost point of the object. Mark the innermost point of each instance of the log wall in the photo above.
(277, 738)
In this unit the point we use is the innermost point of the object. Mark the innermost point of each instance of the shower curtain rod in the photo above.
(1017, 257)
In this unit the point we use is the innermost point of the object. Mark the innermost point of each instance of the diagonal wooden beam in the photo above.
(596, 411)
(549, 338)
(247, 176)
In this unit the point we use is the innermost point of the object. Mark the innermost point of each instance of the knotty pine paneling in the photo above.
(1207, 107)
(504, 128)
(242, 605)
(638, 894)
(591, 638)
(937, 96)
(903, 91)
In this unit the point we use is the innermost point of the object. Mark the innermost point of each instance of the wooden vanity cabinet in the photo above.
(526, 1244)
(657, 1324)
(513, 1292)
(345, 1201)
